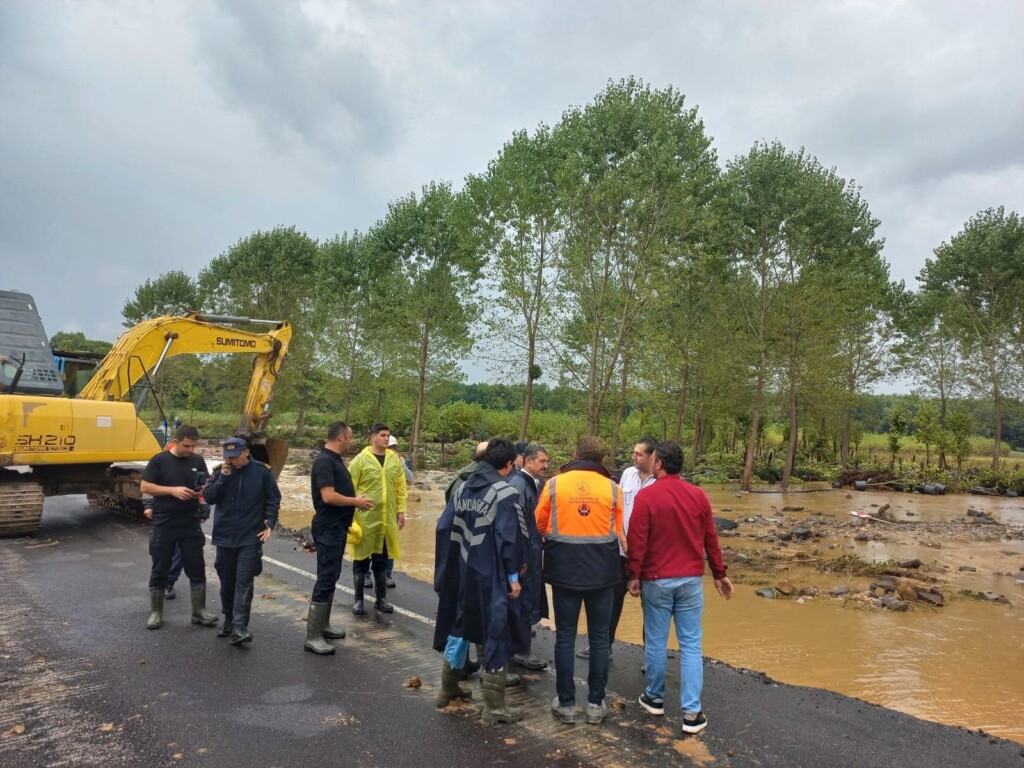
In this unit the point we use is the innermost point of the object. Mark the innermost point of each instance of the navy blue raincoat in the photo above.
(480, 542)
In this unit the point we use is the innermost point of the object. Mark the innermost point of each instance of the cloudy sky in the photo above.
(141, 137)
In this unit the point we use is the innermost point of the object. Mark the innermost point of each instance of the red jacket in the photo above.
(670, 532)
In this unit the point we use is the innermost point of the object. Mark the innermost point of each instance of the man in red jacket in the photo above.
(670, 531)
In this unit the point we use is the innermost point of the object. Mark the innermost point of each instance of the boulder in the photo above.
(809, 591)
(786, 588)
(769, 593)
(792, 509)
(839, 591)
(802, 532)
(915, 563)
(725, 525)
(967, 569)
(907, 590)
(931, 596)
(888, 583)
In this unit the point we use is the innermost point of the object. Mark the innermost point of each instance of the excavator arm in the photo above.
(139, 352)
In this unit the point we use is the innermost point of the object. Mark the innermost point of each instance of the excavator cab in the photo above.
(26, 362)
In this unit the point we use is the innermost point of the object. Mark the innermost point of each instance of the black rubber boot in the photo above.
(357, 605)
(328, 631)
(225, 629)
(450, 688)
(495, 709)
(315, 620)
(200, 615)
(156, 610)
(380, 587)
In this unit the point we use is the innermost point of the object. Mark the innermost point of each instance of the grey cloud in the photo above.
(271, 60)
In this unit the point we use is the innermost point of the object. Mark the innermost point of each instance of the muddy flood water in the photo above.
(959, 664)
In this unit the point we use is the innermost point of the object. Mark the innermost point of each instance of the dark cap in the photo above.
(233, 446)
(521, 448)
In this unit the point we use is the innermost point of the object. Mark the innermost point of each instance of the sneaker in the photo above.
(694, 722)
(654, 706)
(240, 636)
(596, 713)
(583, 653)
(566, 713)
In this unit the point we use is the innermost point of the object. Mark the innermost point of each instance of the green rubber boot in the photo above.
(495, 710)
(200, 615)
(450, 688)
(315, 621)
(327, 630)
(156, 610)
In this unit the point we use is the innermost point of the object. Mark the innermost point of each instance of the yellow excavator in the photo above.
(51, 445)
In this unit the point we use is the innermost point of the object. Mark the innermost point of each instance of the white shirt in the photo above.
(631, 483)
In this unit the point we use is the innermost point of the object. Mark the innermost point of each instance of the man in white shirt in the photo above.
(640, 475)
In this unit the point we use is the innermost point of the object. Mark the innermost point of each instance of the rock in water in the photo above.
(931, 596)
(906, 590)
(786, 588)
(769, 593)
(915, 563)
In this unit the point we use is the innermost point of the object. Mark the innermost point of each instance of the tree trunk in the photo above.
(787, 471)
(300, 419)
(698, 437)
(844, 449)
(755, 424)
(621, 412)
(420, 394)
(997, 397)
(681, 411)
(528, 399)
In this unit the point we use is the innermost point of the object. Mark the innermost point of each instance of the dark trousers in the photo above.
(163, 539)
(567, 604)
(377, 562)
(237, 567)
(177, 563)
(328, 567)
(618, 598)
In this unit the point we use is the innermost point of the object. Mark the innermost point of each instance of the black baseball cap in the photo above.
(521, 448)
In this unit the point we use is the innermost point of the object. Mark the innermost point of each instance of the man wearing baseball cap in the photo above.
(247, 501)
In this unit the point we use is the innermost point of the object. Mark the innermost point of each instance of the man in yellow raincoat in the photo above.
(377, 473)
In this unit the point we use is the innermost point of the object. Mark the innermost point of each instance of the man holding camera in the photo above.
(247, 501)
(175, 479)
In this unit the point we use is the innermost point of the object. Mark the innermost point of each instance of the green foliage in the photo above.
(165, 295)
(75, 341)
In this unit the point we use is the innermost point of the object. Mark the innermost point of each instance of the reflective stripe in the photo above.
(582, 539)
(554, 510)
(615, 501)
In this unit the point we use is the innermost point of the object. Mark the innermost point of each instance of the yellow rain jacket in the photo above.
(387, 487)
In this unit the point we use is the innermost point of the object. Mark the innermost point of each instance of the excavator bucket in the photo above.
(277, 454)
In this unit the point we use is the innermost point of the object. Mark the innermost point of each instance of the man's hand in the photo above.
(724, 587)
(364, 503)
(183, 493)
(264, 534)
(633, 585)
(225, 469)
(514, 588)
(148, 514)
(401, 520)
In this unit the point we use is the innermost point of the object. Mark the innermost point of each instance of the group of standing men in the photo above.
(505, 532)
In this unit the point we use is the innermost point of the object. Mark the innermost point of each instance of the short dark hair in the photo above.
(533, 450)
(336, 430)
(500, 451)
(592, 448)
(378, 427)
(670, 454)
(186, 431)
(649, 444)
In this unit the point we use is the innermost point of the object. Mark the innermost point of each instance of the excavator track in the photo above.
(21, 508)
(121, 496)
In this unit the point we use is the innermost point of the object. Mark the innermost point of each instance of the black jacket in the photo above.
(245, 502)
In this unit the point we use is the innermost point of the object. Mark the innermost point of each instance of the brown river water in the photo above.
(962, 664)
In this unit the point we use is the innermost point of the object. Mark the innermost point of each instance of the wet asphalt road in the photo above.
(83, 683)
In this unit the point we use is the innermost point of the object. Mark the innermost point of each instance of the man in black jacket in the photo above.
(247, 501)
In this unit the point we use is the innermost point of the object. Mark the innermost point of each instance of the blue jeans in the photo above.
(567, 603)
(683, 600)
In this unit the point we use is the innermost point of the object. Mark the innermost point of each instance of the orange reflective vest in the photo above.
(580, 516)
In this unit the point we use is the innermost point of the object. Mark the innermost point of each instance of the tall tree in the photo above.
(980, 273)
(517, 205)
(431, 294)
(637, 176)
(271, 276)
